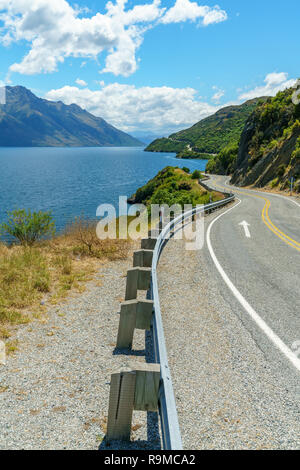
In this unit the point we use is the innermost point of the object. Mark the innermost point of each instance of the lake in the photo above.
(74, 181)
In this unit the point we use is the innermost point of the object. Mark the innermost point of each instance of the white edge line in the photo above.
(261, 192)
(251, 312)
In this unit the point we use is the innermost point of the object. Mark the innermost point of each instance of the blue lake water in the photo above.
(74, 181)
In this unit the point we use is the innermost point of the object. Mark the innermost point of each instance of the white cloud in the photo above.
(80, 82)
(218, 95)
(184, 10)
(54, 30)
(274, 82)
(160, 110)
(2, 93)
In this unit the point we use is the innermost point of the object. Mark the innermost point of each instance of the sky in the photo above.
(150, 66)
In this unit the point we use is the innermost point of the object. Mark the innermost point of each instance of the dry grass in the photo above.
(50, 271)
(80, 237)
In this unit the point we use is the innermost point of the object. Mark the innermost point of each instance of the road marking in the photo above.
(274, 229)
(266, 219)
(266, 192)
(279, 344)
(246, 228)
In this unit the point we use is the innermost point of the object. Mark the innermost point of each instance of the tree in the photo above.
(196, 175)
(28, 227)
(187, 170)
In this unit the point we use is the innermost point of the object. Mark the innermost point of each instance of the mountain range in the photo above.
(29, 121)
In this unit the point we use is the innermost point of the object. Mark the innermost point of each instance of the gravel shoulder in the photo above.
(228, 394)
(54, 391)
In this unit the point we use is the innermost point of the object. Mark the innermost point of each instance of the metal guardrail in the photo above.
(167, 405)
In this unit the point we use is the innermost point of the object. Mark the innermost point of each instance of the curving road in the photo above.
(255, 247)
(231, 314)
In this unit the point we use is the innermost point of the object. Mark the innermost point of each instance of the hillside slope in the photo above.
(210, 135)
(174, 185)
(29, 121)
(269, 150)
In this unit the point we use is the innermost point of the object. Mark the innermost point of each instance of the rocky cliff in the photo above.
(269, 149)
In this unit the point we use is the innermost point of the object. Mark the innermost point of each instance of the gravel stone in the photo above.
(54, 391)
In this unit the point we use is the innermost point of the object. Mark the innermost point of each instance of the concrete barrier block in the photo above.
(143, 258)
(132, 284)
(148, 243)
(144, 314)
(135, 388)
(144, 278)
(121, 404)
(147, 387)
(127, 324)
(137, 279)
(134, 314)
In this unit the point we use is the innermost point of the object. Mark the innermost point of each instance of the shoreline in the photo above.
(206, 156)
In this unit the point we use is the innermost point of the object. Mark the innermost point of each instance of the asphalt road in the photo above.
(258, 264)
(231, 315)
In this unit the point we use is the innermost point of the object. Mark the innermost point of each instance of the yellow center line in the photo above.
(276, 228)
(267, 221)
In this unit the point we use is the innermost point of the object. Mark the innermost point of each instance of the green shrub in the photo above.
(174, 186)
(184, 186)
(274, 183)
(163, 196)
(28, 227)
(196, 175)
(187, 170)
(145, 192)
(296, 153)
(225, 161)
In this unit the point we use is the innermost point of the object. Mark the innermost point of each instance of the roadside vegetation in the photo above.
(174, 185)
(36, 271)
(190, 154)
(224, 163)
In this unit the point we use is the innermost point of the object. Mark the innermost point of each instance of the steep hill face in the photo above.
(29, 121)
(209, 135)
(269, 150)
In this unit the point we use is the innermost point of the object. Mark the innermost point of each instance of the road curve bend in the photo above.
(231, 315)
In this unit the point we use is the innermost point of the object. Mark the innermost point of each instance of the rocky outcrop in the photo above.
(266, 169)
(268, 152)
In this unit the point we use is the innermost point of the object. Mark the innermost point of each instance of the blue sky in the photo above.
(156, 68)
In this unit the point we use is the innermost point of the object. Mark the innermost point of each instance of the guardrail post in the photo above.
(135, 314)
(121, 401)
(137, 279)
(143, 258)
(131, 389)
(147, 387)
(144, 314)
(148, 243)
(172, 230)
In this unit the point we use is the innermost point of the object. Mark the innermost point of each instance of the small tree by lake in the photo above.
(196, 175)
(28, 227)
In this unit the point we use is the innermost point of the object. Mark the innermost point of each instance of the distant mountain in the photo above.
(210, 135)
(29, 121)
(147, 138)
